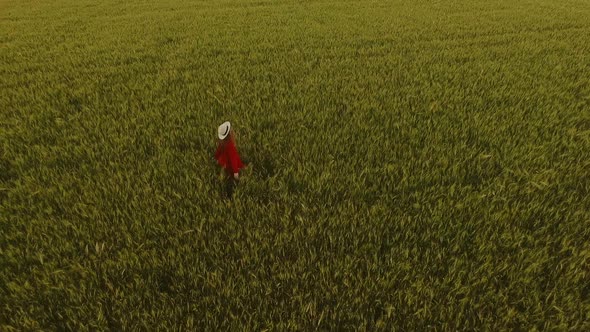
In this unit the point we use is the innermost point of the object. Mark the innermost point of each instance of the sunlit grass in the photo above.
(417, 165)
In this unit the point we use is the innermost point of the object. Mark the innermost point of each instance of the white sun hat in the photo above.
(223, 130)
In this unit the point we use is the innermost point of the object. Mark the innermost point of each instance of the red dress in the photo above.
(227, 156)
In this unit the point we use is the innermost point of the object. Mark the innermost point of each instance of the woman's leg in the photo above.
(230, 185)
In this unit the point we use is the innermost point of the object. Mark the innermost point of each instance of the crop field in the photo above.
(414, 165)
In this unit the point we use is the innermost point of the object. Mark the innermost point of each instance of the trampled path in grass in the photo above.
(418, 165)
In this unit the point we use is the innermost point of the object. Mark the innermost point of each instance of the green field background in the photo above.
(415, 165)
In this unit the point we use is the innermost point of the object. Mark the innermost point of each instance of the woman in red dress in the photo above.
(227, 156)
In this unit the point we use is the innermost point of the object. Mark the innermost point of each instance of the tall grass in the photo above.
(418, 165)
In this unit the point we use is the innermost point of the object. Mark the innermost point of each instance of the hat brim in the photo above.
(225, 133)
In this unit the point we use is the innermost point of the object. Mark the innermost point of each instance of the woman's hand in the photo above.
(236, 176)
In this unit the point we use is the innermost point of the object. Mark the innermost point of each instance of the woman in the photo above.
(227, 157)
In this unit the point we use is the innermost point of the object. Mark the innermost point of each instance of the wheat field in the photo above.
(415, 165)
